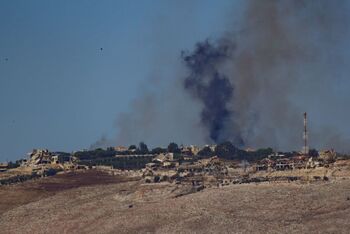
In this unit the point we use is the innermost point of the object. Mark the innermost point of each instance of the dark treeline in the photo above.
(225, 150)
(228, 151)
(125, 163)
(132, 150)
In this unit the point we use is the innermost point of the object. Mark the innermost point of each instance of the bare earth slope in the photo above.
(131, 207)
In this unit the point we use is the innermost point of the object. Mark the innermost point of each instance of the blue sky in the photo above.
(58, 90)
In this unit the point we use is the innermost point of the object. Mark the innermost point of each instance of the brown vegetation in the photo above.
(15, 195)
(92, 201)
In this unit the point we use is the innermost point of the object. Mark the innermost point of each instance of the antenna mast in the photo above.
(305, 137)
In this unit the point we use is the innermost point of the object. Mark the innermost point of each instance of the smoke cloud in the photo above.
(214, 89)
(252, 84)
(103, 142)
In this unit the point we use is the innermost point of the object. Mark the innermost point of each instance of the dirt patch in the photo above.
(20, 194)
(78, 179)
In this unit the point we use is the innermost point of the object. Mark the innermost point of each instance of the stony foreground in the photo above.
(98, 203)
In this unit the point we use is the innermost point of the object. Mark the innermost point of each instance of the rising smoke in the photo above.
(206, 83)
(252, 84)
(103, 142)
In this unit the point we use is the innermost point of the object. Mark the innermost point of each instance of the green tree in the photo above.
(173, 148)
(132, 147)
(143, 149)
(313, 153)
(158, 150)
(206, 152)
(226, 150)
(13, 164)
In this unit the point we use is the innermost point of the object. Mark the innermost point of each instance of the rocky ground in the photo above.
(95, 202)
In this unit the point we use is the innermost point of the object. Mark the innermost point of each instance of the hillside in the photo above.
(111, 204)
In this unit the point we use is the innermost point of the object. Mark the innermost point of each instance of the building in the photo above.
(328, 156)
(60, 158)
(3, 167)
(39, 156)
(281, 162)
(121, 148)
(120, 161)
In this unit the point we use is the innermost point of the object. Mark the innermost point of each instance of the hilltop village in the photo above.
(216, 188)
(211, 165)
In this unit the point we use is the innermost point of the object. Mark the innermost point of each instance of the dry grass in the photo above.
(19, 194)
(122, 206)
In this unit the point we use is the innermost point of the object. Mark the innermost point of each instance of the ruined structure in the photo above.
(44, 156)
(120, 148)
(328, 156)
(3, 167)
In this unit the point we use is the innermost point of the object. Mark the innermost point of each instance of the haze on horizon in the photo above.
(110, 72)
(58, 90)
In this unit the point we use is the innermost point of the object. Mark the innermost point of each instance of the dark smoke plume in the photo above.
(207, 84)
(248, 79)
(252, 84)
